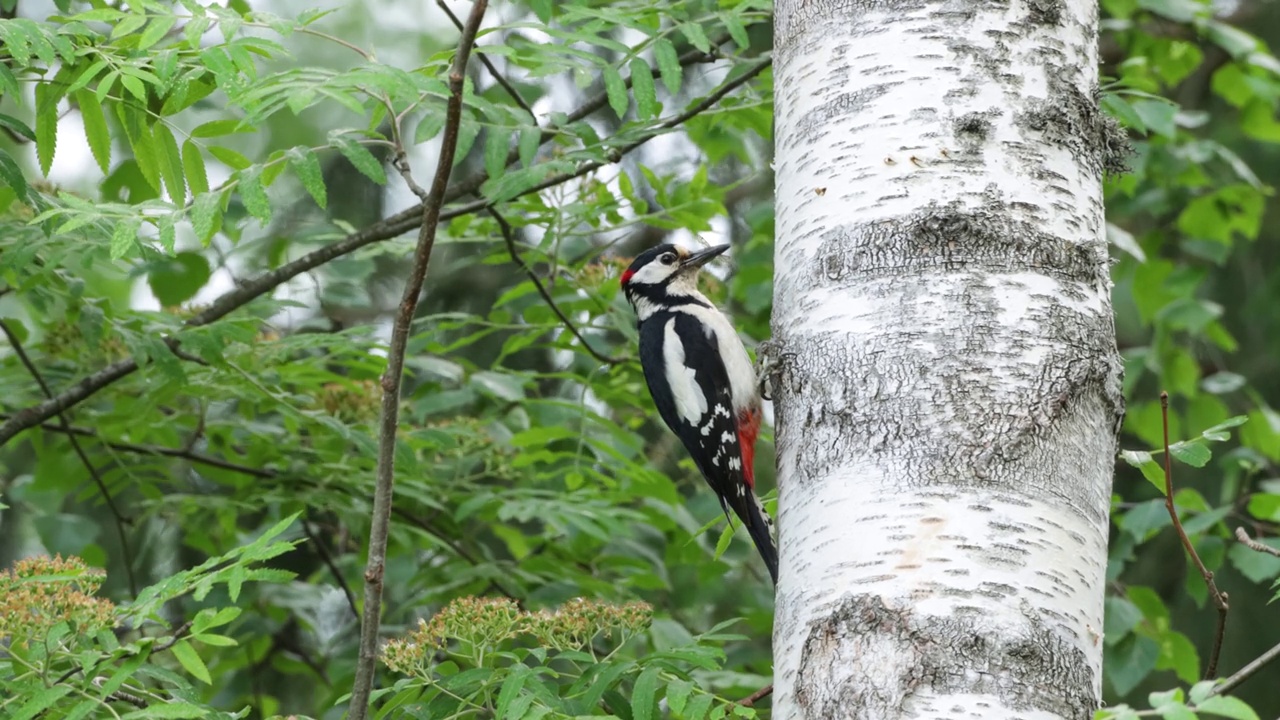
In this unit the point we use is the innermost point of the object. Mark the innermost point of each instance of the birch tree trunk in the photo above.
(950, 388)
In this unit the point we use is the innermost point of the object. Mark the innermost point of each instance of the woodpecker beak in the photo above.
(702, 257)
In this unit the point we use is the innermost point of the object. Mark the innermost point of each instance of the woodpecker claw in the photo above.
(768, 364)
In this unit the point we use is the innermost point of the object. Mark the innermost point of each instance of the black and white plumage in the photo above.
(701, 380)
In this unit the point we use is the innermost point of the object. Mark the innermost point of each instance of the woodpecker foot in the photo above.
(769, 365)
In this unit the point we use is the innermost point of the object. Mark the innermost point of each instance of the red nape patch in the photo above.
(748, 429)
(626, 275)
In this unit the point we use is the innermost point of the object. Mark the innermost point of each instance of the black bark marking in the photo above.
(845, 674)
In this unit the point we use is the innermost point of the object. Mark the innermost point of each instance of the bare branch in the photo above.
(757, 696)
(84, 458)
(1219, 597)
(383, 490)
(332, 564)
(489, 66)
(1252, 544)
(509, 236)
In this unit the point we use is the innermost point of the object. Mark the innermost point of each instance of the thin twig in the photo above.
(509, 236)
(380, 523)
(757, 696)
(332, 564)
(1219, 597)
(1229, 684)
(1252, 544)
(391, 227)
(84, 458)
(489, 66)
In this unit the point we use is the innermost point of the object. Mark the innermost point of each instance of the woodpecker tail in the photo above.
(760, 527)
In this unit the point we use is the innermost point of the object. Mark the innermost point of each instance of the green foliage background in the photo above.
(234, 244)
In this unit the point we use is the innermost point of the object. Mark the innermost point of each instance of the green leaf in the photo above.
(495, 150)
(468, 130)
(18, 127)
(1227, 706)
(191, 662)
(511, 690)
(254, 195)
(1151, 470)
(193, 168)
(726, 538)
(306, 166)
(39, 701)
(668, 65)
(175, 280)
(230, 157)
(694, 33)
(530, 141)
(46, 126)
(678, 694)
(644, 694)
(206, 215)
(736, 30)
(171, 166)
(168, 709)
(131, 22)
(616, 89)
(156, 30)
(643, 88)
(1192, 453)
(95, 128)
(360, 158)
(124, 237)
(12, 175)
(218, 128)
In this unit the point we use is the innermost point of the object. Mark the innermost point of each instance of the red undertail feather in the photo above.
(748, 429)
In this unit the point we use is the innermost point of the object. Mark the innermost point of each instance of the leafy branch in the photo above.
(386, 229)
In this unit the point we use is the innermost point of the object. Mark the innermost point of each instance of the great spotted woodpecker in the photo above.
(701, 380)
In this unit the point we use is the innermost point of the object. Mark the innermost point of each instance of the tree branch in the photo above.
(386, 229)
(757, 696)
(391, 377)
(515, 96)
(1252, 544)
(1219, 597)
(84, 458)
(509, 236)
(332, 564)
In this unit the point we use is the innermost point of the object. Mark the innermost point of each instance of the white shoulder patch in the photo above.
(691, 404)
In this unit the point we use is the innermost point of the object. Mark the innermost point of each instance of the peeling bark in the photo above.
(949, 393)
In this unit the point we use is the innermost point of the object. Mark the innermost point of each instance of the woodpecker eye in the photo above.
(668, 258)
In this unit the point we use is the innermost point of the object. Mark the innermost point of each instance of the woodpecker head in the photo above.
(665, 271)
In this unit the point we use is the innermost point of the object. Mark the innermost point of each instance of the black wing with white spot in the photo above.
(691, 389)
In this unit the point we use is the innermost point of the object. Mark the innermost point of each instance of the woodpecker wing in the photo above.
(691, 389)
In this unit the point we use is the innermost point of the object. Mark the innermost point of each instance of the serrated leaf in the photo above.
(156, 30)
(530, 141)
(128, 24)
(11, 174)
(678, 692)
(193, 168)
(46, 126)
(616, 89)
(124, 237)
(698, 707)
(668, 65)
(643, 88)
(254, 195)
(429, 127)
(468, 130)
(726, 538)
(361, 159)
(169, 709)
(495, 150)
(230, 157)
(696, 37)
(1192, 453)
(307, 167)
(206, 215)
(510, 691)
(171, 167)
(18, 127)
(644, 694)
(191, 662)
(95, 128)
(736, 30)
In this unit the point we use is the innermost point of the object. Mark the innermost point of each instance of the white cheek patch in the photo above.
(653, 273)
(691, 404)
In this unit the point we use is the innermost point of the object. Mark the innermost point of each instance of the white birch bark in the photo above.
(950, 387)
